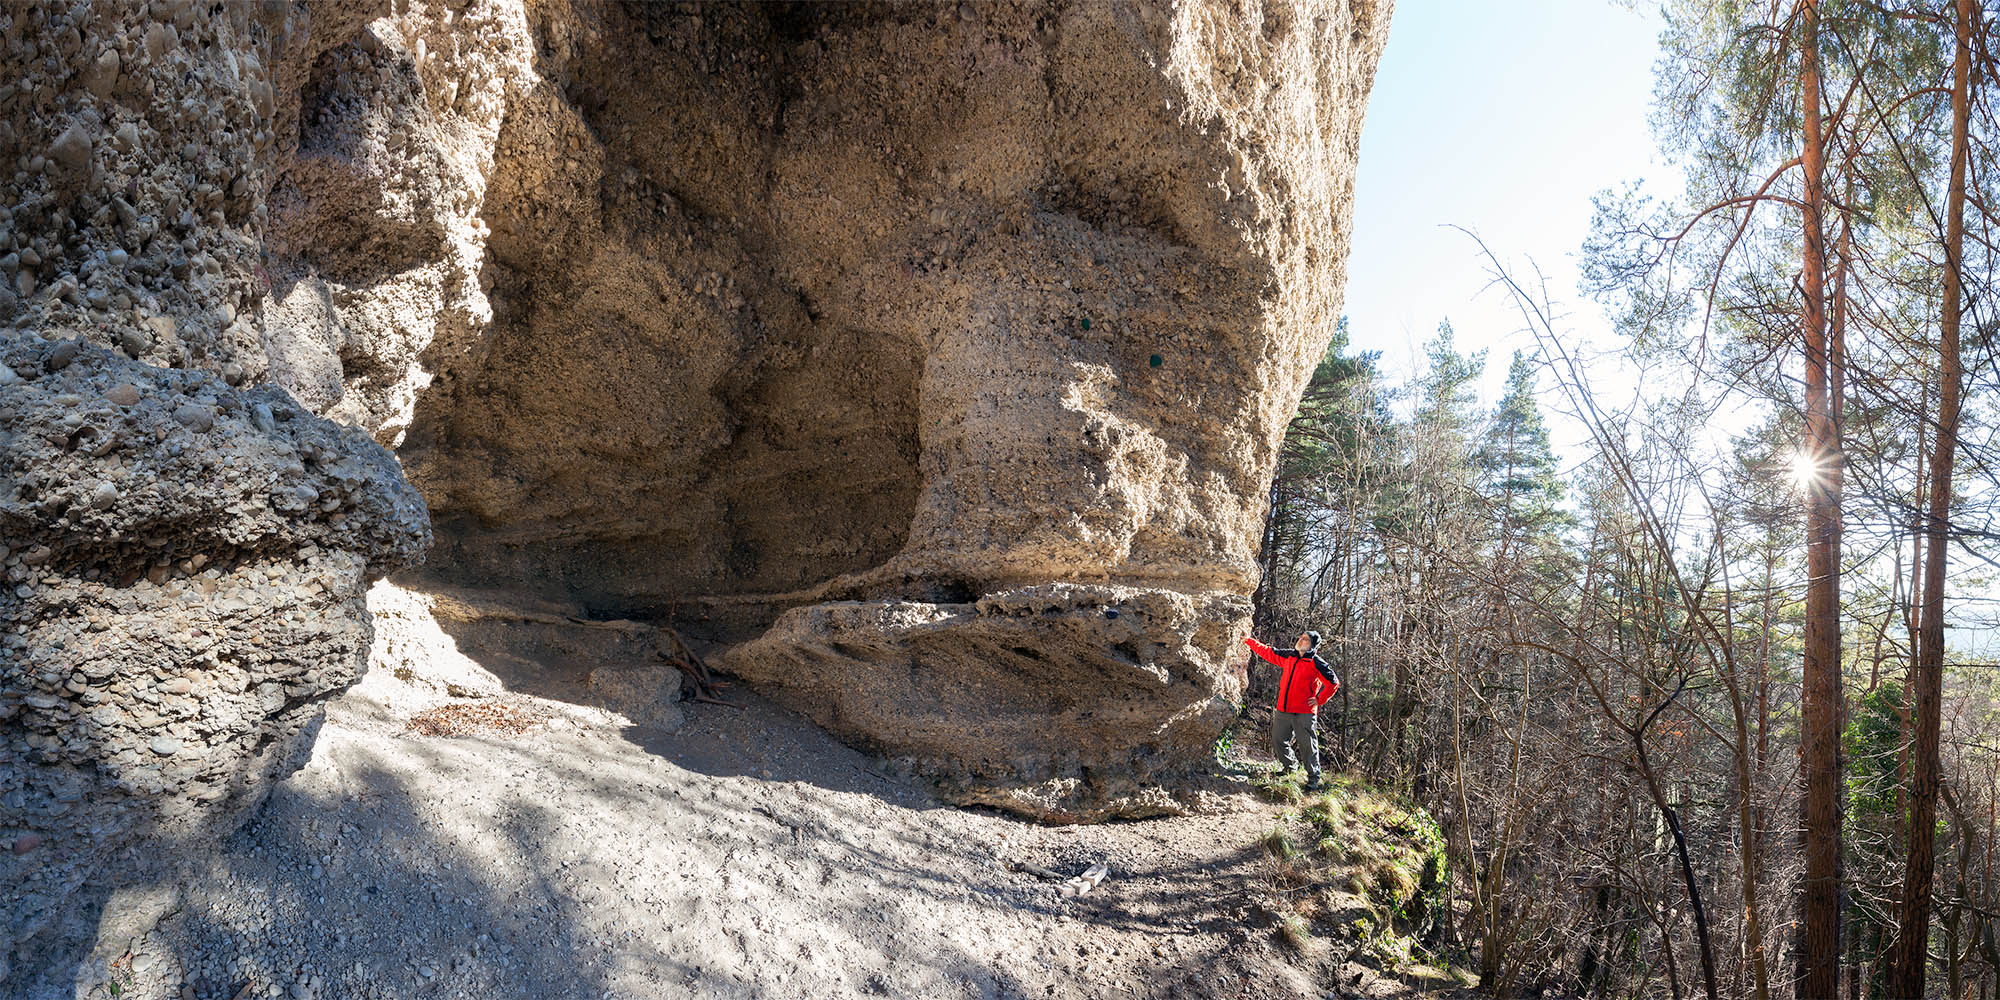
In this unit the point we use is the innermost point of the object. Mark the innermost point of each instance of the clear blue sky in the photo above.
(1503, 118)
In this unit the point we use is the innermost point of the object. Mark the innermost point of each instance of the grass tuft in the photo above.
(1278, 844)
(1294, 933)
(1280, 787)
(1390, 883)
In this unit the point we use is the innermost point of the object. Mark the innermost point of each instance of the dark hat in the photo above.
(1314, 636)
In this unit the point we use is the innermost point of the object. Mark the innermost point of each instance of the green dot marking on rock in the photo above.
(1156, 361)
(1086, 322)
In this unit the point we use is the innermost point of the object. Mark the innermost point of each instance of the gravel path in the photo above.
(743, 854)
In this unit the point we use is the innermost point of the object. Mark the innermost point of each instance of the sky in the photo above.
(1504, 119)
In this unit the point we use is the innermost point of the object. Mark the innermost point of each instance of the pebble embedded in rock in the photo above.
(60, 356)
(103, 496)
(27, 842)
(71, 149)
(159, 38)
(136, 342)
(101, 76)
(123, 394)
(165, 746)
(194, 417)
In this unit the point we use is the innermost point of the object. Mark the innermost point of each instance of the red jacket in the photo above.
(1305, 684)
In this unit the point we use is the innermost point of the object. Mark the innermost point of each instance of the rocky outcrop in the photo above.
(1115, 252)
(186, 565)
(186, 544)
(1063, 701)
(936, 353)
(847, 318)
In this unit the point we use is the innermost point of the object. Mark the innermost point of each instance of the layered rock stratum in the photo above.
(933, 356)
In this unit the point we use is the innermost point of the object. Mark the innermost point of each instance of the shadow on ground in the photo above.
(714, 852)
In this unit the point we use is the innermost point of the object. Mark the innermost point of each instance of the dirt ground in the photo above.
(538, 848)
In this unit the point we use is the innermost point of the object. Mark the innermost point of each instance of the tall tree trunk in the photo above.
(1819, 943)
(1906, 971)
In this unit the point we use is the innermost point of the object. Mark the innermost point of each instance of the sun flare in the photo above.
(1805, 469)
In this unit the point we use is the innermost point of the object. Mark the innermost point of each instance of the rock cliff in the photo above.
(936, 355)
(884, 325)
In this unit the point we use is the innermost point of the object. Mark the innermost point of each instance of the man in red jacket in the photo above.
(1306, 682)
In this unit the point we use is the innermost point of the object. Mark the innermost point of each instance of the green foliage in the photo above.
(1515, 460)
(1429, 884)
(1224, 744)
(1334, 454)
(1874, 735)
(1435, 449)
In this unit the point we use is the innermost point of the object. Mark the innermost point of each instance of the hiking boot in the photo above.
(1313, 784)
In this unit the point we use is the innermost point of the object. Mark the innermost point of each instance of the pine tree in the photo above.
(1518, 473)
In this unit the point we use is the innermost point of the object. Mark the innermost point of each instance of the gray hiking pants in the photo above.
(1302, 727)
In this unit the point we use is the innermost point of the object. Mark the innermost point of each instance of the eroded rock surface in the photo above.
(187, 546)
(855, 314)
(900, 342)
(186, 565)
(1045, 700)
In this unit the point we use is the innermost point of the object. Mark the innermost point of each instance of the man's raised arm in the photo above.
(1260, 649)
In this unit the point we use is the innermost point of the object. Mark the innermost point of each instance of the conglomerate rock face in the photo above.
(847, 332)
(934, 354)
(186, 546)
(186, 570)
